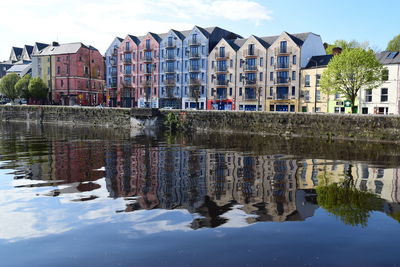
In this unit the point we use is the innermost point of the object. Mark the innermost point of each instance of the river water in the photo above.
(81, 197)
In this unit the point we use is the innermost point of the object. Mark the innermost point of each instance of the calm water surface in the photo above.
(78, 197)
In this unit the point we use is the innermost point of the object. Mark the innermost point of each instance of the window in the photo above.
(230, 91)
(294, 60)
(58, 70)
(392, 55)
(58, 59)
(293, 75)
(62, 83)
(318, 97)
(337, 96)
(368, 95)
(271, 76)
(293, 90)
(307, 95)
(307, 81)
(261, 76)
(261, 61)
(240, 91)
(364, 110)
(384, 94)
(272, 61)
(318, 79)
(271, 91)
(231, 63)
(385, 75)
(283, 47)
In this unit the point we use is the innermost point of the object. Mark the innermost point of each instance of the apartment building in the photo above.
(111, 71)
(222, 76)
(288, 54)
(384, 99)
(171, 69)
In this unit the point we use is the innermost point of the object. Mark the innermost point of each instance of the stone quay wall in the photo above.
(329, 126)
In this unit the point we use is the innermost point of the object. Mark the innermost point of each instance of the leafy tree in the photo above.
(37, 88)
(7, 86)
(351, 71)
(346, 45)
(22, 86)
(394, 44)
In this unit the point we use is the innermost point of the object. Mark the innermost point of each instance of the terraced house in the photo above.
(127, 72)
(171, 69)
(197, 45)
(149, 70)
(222, 76)
(286, 56)
(111, 74)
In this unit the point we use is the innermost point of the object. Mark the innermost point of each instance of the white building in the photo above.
(385, 99)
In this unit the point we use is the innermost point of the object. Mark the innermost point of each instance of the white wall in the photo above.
(312, 46)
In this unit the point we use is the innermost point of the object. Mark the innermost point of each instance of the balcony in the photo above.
(127, 50)
(114, 53)
(148, 59)
(126, 84)
(147, 71)
(280, 51)
(221, 69)
(194, 68)
(170, 57)
(113, 61)
(146, 84)
(250, 68)
(194, 42)
(170, 45)
(282, 80)
(221, 96)
(194, 82)
(282, 66)
(114, 73)
(169, 92)
(170, 82)
(252, 53)
(170, 71)
(221, 56)
(113, 85)
(281, 97)
(147, 48)
(127, 73)
(221, 83)
(249, 97)
(194, 55)
(127, 61)
(250, 82)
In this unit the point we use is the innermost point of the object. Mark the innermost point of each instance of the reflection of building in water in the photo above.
(264, 185)
(131, 170)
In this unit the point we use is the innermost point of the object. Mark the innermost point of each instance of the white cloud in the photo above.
(98, 22)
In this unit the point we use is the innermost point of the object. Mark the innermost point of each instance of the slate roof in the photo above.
(319, 61)
(135, 39)
(41, 46)
(17, 50)
(388, 57)
(19, 68)
(70, 48)
(120, 39)
(29, 49)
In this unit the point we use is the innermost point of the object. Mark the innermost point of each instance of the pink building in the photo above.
(149, 69)
(128, 72)
(77, 74)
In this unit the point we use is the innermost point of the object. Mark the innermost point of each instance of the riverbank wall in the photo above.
(329, 126)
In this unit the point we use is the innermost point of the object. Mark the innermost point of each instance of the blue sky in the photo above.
(96, 22)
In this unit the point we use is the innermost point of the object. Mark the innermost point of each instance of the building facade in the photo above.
(384, 99)
(222, 76)
(111, 74)
(287, 55)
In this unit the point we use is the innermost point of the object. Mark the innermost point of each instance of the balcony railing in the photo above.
(170, 57)
(147, 71)
(194, 55)
(221, 56)
(126, 84)
(169, 82)
(221, 82)
(113, 85)
(170, 71)
(128, 50)
(114, 53)
(280, 51)
(194, 42)
(282, 80)
(194, 68)
(146, 84)
(250, 82)
(127, 61)
(282, 97)
(147, 48)
(282, 66)
(148, 59)
(113, 61)
(170, 92)
(250, 68)
(170, 45)
(221, 68)
(249, 97)
(221, 96)
(194, 82)
(127, 73)
(114, 73)
(251, 53)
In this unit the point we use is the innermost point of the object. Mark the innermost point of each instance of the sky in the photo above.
(98, 22)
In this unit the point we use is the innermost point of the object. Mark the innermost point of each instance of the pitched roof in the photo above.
(70, 48)
(388, 57)
(17, 50)
(319, 61)
(28, 49)
(19, 68)
(299, 38)
(41, 46)
(120, 39)
(134, 38)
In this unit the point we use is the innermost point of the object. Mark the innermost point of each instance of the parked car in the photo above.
(167, 108)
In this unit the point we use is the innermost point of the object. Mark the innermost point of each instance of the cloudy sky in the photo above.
(97, 22)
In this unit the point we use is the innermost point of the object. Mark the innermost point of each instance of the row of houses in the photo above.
(203, 68)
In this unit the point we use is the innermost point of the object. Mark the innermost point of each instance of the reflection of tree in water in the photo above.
(352, 206)
(211, 213)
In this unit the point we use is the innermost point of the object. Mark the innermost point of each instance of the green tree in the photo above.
(38, 89)
(7, 86)
(394, 44)
(346, 45)
(351, 71)
(22, 86)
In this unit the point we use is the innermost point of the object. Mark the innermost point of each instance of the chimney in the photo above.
(336, 51)
(56, 44)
